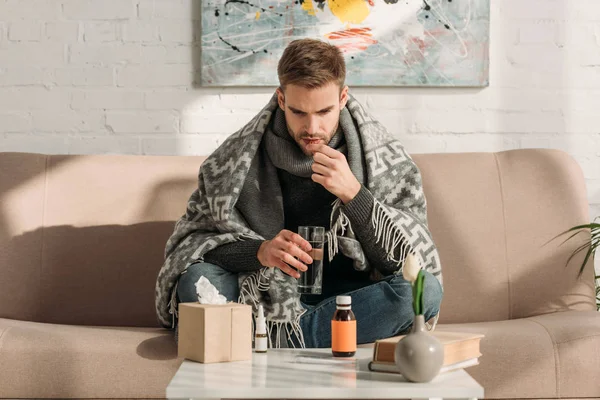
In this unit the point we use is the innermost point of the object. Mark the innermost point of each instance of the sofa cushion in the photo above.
(576, 340)
(547, 356)
(47, 360)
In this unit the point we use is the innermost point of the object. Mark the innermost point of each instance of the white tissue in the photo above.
(207, 293)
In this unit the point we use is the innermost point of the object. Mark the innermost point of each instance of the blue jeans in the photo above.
(382, 308)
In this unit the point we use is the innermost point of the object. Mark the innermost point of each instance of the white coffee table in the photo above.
(310, 374)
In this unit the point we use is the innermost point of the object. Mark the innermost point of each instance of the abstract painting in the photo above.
(384, 42)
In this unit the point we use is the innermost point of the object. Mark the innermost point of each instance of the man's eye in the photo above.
(324, 112)
(298, 112)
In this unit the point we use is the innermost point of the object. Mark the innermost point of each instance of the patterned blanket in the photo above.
(214, 217)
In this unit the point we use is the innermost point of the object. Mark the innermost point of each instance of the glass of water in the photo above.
(310, 282)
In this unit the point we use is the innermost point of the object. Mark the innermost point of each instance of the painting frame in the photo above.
(435, 43)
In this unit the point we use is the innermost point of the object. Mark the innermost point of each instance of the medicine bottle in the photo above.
(343, 328)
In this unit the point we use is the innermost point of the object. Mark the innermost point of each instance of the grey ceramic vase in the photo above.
(419, 355)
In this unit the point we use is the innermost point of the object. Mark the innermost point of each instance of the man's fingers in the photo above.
(288, 259)
(324, 159)
(325, 150)
(320, 179)
(321, 169)
(297, 239)
(287, 269)
(297, 252)
(288, 235)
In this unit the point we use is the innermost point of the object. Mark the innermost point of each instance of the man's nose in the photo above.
(312, 125)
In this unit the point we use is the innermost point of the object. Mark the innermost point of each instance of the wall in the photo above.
(116, 76)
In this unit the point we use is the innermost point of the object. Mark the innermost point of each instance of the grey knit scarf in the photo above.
(285, 154)
(239, 198)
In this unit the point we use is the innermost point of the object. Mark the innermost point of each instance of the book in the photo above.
(385, 366)
(458, 346)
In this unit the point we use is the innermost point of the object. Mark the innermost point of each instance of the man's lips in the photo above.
(311, 141)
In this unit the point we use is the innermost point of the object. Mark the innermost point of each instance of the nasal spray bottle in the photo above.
(260, 332)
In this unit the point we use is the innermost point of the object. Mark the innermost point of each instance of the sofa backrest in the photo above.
(82, 237)
(493, 217)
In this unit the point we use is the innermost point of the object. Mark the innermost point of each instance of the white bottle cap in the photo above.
(343, 300)
(261, 322)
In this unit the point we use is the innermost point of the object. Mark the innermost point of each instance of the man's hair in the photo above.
(311, 64)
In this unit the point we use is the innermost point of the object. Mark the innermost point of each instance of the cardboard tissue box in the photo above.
(210, 333)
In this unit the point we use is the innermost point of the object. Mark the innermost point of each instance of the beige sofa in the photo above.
(82, 239)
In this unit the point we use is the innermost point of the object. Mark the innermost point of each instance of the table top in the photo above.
(310, 374)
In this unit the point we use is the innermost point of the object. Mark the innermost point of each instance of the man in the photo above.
(312, 156)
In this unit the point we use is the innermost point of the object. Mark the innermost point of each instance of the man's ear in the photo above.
(344, 97)
(281, 98)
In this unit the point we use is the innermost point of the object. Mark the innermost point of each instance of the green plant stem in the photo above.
(421, 291)
(414, 297)
(417, 289)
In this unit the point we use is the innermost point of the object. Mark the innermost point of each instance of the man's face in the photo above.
(312, 115)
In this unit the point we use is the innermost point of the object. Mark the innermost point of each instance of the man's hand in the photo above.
(332, 171)
(283, 250)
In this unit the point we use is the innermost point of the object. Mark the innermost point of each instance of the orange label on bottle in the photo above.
(343, 336)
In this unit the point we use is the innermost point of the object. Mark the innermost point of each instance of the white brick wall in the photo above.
(116, 76)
